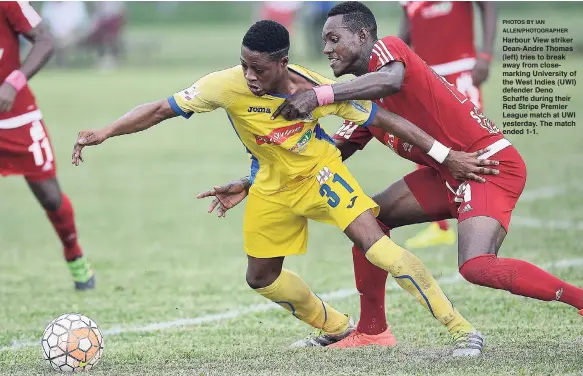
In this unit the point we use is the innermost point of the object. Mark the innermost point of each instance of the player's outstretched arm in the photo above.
(140, 118)
(227, 196)
(371, 86)
(464, 166)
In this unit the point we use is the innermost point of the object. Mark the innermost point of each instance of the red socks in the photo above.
(520, 278)
(63, 221)
(370, 283)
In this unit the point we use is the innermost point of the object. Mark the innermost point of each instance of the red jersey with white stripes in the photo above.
(428, 101)
(441, 31)
(15, 18)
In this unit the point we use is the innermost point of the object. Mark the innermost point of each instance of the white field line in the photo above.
(527, 196)
(541, 194)
(231, 314)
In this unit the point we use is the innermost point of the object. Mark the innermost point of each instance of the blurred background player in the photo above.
(76, 27)
(442, 34)
(282, 12)
(25, 147)
(316, 15)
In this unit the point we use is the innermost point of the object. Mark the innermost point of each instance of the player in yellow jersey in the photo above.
(298, 175)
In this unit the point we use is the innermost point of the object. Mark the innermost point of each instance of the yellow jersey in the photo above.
(282, 152)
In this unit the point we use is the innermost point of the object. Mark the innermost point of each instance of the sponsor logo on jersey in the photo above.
(189, 93)
(262, 110)
(302, 142)
(279, 135)
(358, 106)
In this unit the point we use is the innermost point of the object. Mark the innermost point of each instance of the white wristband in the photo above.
(438, 151)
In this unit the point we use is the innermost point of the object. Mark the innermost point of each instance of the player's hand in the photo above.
(467, 166)
(7, 95)
(226, 196)
(480, 72)
(298, 106)
(86, 138)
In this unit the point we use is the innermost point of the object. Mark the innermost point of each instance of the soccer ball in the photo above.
(72, 342)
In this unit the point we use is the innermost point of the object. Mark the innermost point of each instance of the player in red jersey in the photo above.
(25, 147)
(392, 75)
(424, 27)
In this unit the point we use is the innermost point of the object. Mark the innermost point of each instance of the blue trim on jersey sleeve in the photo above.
(176, 108)
(373, 112)
(322, 135)
(254, 161)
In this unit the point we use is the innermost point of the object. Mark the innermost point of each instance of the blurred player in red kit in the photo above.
(442, 34)
(25, 147)
(397, 79)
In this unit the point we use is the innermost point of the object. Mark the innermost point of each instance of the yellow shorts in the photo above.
(277, 225)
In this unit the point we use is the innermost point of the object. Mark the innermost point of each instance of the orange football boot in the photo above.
(357, 339)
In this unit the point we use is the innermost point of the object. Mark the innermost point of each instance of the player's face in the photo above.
(261, 73)
(342, 47)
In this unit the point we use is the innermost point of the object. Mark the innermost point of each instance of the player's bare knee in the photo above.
(478, 236)
(263, 272)
(364, 231)
(47, 193)
(259, 279)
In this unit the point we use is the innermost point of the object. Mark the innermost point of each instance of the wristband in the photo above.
(325, 94)
(485, 56)
(16, 79)
(438, 151)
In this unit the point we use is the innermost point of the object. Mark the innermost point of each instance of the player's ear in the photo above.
(363, 35)
(284, 61)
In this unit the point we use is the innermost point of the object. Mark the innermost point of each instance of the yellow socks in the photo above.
(413, 276)
(291, 292)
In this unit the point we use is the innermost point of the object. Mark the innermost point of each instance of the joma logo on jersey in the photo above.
(279, 135)
(262, 110)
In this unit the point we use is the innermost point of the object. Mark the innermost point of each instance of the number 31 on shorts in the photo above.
(326, 191)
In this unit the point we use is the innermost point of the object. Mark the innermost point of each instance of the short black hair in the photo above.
(268, 36)
(356, 16)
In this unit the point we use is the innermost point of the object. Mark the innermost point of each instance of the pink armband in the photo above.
(16, 79)
(325, 94)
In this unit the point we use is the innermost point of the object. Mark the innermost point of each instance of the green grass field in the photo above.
(160, 258)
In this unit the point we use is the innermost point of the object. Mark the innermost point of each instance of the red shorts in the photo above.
(27, 151)
(496, 198)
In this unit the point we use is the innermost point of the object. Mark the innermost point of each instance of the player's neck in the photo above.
(361, 65)
(291, 83)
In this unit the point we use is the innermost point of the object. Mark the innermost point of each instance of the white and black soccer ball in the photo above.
(72, 342)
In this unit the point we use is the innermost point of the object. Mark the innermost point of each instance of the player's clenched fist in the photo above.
(226, 196)
(87, 138)
(7, 96)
